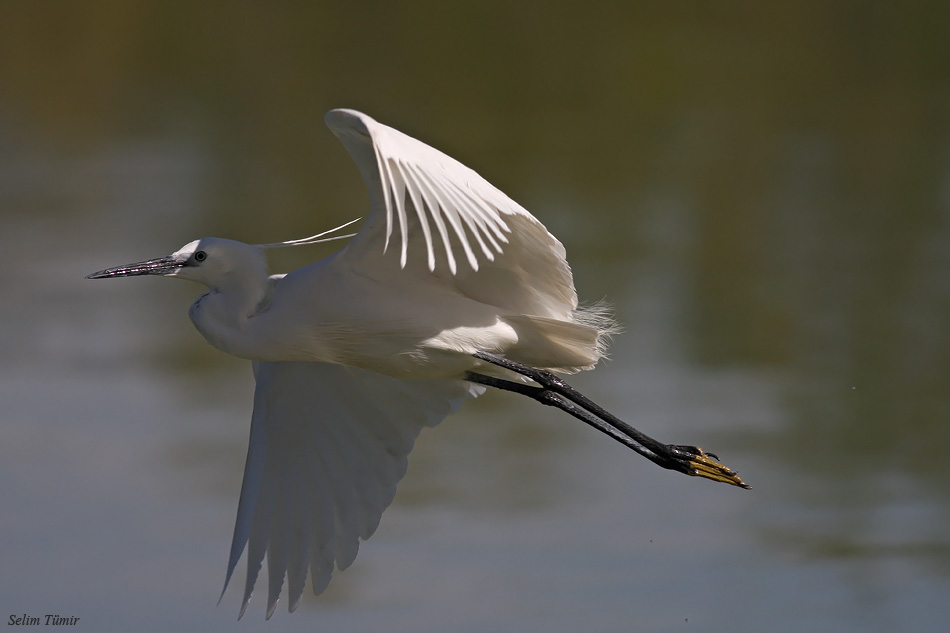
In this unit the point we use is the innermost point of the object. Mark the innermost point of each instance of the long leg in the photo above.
(550, 398)
(553, 391)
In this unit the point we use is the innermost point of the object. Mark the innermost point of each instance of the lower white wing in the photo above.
(328, 445)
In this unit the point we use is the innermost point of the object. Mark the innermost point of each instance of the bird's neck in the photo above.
(223, 313)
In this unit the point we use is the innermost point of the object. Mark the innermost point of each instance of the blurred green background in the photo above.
(762, 192)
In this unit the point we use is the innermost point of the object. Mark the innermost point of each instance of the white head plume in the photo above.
(313, 239)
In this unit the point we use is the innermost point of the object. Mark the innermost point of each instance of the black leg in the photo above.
(553, 391)
(550, 398)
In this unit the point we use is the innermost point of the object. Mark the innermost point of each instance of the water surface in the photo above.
(763, 194)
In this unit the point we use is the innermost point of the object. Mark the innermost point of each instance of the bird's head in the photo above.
(211, 261)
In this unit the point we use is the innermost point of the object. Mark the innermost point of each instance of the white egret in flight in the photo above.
(449, 286)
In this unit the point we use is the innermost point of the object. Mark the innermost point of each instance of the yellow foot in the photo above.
(703, 464)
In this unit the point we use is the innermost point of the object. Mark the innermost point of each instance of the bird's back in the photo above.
(415, 323)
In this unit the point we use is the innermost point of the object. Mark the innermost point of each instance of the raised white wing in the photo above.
(328, 445)
(442, 210)
(447, 196)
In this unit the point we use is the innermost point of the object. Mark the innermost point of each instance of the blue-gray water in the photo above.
(763, 194)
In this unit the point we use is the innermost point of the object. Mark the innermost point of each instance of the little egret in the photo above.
(449, 286)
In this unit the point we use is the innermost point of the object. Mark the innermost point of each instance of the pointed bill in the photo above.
(158, 266)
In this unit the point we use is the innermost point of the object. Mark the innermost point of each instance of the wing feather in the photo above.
(420, 213)
(492, 249)
(451, 193)
(328, 445)
(386, 178)
(477, 219)
(431, 203)
(451, 213)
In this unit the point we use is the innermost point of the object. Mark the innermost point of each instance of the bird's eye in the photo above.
(200, 256)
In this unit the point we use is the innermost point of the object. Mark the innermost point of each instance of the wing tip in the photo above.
(348, 120)
(271, 608)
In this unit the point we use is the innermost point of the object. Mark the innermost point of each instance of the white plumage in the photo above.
(355, 354)
(328, 445)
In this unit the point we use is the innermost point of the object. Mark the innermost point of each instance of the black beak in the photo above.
(159, 266)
